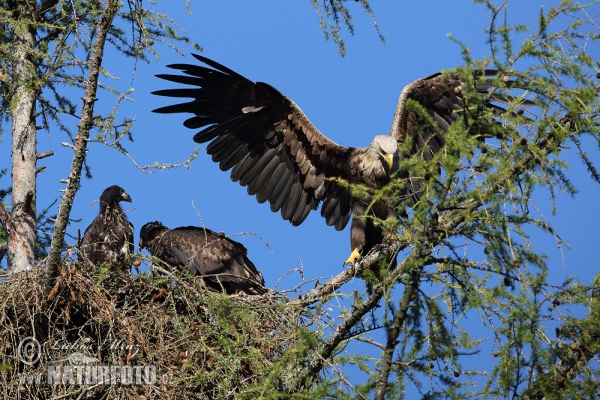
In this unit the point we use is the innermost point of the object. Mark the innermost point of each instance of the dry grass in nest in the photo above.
(201, 344)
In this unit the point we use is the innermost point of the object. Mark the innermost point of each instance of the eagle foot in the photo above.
(354, 256)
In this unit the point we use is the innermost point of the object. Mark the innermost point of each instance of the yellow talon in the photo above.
(354, 256)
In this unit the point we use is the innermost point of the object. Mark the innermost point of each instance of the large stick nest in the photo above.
(200, 344)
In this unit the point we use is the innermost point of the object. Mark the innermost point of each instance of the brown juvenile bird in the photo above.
(109, 238)
(222, 262)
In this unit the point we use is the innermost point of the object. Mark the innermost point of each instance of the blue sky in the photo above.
(349, 99)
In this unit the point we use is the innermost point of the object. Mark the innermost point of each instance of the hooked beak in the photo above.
(125, 197)
(389, 159)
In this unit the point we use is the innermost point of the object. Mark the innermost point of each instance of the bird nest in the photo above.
(142, 336)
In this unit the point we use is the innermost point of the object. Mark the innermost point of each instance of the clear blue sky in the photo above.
(349, 99)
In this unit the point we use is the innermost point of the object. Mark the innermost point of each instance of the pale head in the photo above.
(387, 150)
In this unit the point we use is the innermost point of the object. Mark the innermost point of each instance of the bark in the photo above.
(85, 125)
(22, 238)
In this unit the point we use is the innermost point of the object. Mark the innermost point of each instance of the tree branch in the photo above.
(3, 250)
(6, 220)
(85, 125)
(317, 294)
(8, 224)
(400, 316)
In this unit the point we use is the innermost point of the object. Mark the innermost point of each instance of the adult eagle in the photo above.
(278, 154)
(223, 262)
(109, 238)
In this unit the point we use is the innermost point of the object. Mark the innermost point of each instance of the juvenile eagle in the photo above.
(222, 261)
(109, 238)
(278, 154)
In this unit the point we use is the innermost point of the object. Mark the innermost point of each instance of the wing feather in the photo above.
(302, 209)
(283, 192)
(252, 126)
(262, 179)
(257, 168)
(224, 260)
(293, 198)
(276, 198)
(268, 189)
(223, 263)
(335, 208)
(442, 97)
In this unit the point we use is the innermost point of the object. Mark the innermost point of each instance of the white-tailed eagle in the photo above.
(279, 155)
(109, 238)
(222, 262)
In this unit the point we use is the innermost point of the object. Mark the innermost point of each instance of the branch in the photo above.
(326, 351)
(394, 330)
(3, 250)
(45, 154)
(359, 311)
(85, 125)
(572, 359)
(317, 294)
(7, 222)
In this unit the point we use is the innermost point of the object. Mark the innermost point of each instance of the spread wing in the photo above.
(267, 141)
(205, 252)
(442, 98)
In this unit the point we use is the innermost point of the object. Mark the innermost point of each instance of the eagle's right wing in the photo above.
(274, 150)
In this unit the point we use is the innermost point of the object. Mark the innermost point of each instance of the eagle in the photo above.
(274, 150)
(222, 262)
(109, 238)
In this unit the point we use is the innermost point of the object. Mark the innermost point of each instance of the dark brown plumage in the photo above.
(222, 261)
(109, 238)
(276, 152)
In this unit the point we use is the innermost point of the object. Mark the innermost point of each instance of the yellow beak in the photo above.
(389, 159)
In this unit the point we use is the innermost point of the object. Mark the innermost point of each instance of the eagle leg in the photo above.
(354, 256)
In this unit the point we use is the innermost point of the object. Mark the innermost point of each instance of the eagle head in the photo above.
(149, 231)
(385, 148)
(114, 194)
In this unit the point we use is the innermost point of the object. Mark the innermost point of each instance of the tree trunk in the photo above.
(21, 241)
